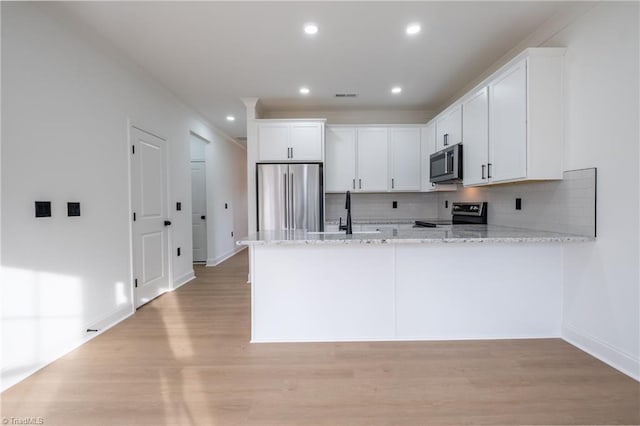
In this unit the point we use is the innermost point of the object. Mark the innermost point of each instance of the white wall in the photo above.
(601, 280)
(66, 103)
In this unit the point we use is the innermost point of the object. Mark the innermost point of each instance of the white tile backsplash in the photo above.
(566, 206)
(561, 206)
(413, 205)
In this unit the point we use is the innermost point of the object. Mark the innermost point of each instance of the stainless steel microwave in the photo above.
(446, 165)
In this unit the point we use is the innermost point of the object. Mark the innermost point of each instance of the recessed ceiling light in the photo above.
(396, 90)
(304, 90)
(413, 29)
(231, 118)
(310, 28)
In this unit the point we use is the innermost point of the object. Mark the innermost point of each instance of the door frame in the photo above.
(131, 124)
(206, 214)
(207, 167)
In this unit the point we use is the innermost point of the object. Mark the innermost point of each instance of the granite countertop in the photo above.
(379, 221)
(447, 234)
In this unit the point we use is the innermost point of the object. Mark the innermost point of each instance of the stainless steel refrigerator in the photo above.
(290, 197)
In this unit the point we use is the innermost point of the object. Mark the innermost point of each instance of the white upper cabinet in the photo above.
(449, 127)
(428, 147)
(404, 159)
(290, 140)
(372, 164)
(273, 141)
(357, 159)
(475, 131)
(340, 159)
(428, 142)
(508, 125)
(513, 127)
(306, 141)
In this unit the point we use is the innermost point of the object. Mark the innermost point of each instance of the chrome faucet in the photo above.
(347, 206)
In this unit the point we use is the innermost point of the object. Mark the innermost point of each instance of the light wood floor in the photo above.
(184, 359)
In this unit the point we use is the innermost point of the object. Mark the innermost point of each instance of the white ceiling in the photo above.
(212, 54)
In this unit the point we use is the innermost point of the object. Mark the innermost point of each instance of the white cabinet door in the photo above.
(373, 164)
(340, 162)
(404, 156)
(475, 130)
(306, 141)
(449, 127)
(273, 142)
(428, 142)
(508, 125)
(441, 130)
(454, 126)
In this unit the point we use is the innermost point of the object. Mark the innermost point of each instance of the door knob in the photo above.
(203, 217)
(167, 222)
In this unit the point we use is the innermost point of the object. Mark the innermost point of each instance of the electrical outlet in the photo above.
(178, 206)
(518, 203)
(395, 204)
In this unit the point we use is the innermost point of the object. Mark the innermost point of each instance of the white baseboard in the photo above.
(11, 375)
(180, 281)
(616, 358)
(218, 260)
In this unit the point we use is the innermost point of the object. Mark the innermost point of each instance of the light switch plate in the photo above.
(73, 209)
(43, 208)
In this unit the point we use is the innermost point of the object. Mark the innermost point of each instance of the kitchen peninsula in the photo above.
(460, 282)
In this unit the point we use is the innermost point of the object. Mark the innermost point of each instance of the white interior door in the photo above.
(199, 211)
(150, 222)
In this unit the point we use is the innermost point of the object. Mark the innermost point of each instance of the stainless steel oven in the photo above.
(446, 165)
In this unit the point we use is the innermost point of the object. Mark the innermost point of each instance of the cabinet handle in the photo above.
(446, 139)
(483, 166)
(354, 183)
(292, 153)
(489, 170)
(359, 183)
(393, 183)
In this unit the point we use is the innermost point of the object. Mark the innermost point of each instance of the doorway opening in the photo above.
(199, 198)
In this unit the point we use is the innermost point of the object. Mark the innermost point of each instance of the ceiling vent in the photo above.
(346, 95)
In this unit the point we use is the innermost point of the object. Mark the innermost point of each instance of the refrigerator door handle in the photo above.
(292, 204)
(286, 203)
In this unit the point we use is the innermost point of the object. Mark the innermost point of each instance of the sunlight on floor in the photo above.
(177, 330)
(42, 314)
